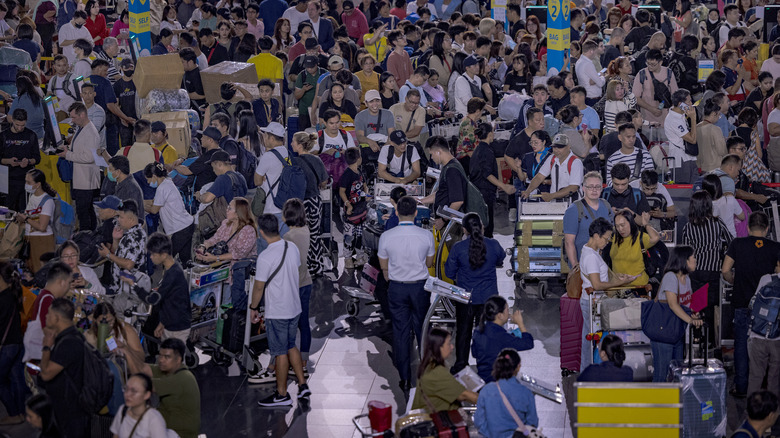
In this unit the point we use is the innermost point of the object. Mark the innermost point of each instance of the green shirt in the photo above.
(179, 400)
(440, 387)
(308, 97)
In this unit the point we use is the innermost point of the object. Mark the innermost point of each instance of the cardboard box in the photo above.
(159, 71)
(177, 125)
(255, 93)
(237, 72)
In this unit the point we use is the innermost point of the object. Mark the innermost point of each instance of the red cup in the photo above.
(380, 415)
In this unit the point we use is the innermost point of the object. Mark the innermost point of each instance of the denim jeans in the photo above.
(303, 321)
(741, 360)
(13, 390)
(663, 354)
(408, 304)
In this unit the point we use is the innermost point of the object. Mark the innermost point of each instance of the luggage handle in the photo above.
(706, 336)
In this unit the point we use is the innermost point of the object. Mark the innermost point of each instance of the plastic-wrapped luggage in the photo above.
(571, 334)
(621, 314)
(703, 393)
(640, 358)
(160, 101)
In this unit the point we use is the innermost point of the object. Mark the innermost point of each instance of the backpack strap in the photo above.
(321, 140)
(637, 164)
(344, 137)
(637, 196)
(571, 161)
(157, 155)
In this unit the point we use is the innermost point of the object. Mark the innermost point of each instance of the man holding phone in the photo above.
(678, 132)
(305, 86)
(127, 250)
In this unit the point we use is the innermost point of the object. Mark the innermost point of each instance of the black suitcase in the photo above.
(233, 325)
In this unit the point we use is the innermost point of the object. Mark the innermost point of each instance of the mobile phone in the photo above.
(33, 367)
(684, 106)
(127, 274)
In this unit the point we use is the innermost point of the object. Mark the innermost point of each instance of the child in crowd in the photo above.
(351, 191)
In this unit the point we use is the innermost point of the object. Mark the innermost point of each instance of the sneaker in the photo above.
(264, 376)
(512, 215)
(276, 400)
(304, 391)
(291, 374)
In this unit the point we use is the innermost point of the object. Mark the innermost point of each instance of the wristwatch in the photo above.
(46, 348)
(256, 308)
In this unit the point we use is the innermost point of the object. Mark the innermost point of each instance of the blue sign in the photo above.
(558, 33)
(140, 26)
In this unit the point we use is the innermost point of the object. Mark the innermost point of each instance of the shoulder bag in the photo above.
(660, 324)
(522, 431)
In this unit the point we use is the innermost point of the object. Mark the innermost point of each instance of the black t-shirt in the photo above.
(610, 53)
(215, 54)
(175, 310)
(19, 145)
(201, 169)
(482, 165)
(315, 173)
(639, 36)
(756, 98)
(347, 107)
(558, 104)
(352, 183)
(193, 84)
(125, 96)
(9, 311)
(517, 82)
(518, 146)
(387, 102)
(753, 257)
(627, 199)
(68, 352)
(452, 187)
(297, 65)
(609, 144)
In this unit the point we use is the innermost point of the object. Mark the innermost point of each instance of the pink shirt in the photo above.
(257, 30)
(400, 65)
(356, 24)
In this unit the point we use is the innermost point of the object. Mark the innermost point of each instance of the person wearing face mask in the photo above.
(126, 186)
(72, 31)
(177, 223)
(125, 90)
(37, 216)
(19, 151)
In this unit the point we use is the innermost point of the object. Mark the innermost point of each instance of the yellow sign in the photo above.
(558, 39)
(555, 8)
(139, 23)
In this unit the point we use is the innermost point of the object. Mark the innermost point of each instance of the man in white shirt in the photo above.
(86, 174)
(61, 84)
(405, 254)
(563, 168)
(399, 162)
(70, 32)
(468, 85)
(629, 154)
(334, 139)
(296, 14)
(416, 82)
(732, 20)
(587, 74)
(268, 172)
(677, 131)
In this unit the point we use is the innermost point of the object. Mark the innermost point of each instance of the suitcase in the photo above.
(539, 232)
(450, 424)
(232, 334)
(621, 314)
(571, 334)
(703, 393)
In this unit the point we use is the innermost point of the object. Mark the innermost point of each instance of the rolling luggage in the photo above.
(703, 393)
(571, 335)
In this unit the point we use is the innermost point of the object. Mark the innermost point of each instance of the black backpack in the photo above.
(247, 163)
(98, 380)
(408, 154)
(661, 91)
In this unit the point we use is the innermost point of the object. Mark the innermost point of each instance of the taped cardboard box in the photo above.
(177, 124)
(163, 72)
(226, 71)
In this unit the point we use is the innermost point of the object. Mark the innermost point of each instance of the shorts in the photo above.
(281, 335)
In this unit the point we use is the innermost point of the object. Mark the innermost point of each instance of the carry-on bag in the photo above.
(571, 334)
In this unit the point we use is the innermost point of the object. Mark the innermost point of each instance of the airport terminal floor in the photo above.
(354, 366)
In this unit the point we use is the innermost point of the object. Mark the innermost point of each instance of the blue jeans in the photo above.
(13, 390)
(741, 358)
(409, 303)
(663, 354)
(303, 320)
(283, 229)
(238, 294)
(281, 335)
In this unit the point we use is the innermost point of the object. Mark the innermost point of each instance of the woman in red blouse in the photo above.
(96, 22)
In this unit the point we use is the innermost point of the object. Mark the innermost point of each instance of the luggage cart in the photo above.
(326, 228)
(438, 313)
(538, 252)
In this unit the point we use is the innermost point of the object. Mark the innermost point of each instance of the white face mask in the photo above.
(29, 189)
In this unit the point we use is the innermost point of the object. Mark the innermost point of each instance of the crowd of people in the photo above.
(351, 91)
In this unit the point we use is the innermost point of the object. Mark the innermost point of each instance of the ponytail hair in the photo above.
(493, 306)
(40, 177)
(506, 364)
(612, 346)
(306, 140)
(477, 251)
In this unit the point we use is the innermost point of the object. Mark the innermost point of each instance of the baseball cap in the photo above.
(398, 137)
(335, 59)
(213, 133)
(274, 128)
(220, 156)
(111, 202)
(127, 62)
(158, 126)
(310, 61)
(470, 60)
(311, 43)
(560, 141)
(372, 95)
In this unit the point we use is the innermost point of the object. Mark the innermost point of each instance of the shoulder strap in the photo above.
(281, 158)
(520, 426)
(132, 432)
(637, 196)
(571, 161)
(638, 164)
(156, 154)
(125, 150)
(306, 162)
(344, 137)
(642, 76)
(320, 140)
(278, 268)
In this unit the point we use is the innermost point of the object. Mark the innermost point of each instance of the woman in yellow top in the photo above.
(626, 251)
(375, 40)
(369, 79)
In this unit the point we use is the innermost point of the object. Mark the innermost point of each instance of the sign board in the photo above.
(558, 33)
(140, 26)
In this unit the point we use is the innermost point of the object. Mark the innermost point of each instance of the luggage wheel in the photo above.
(543, 290)
(519, 288)
(221, 359)
(353, 307)
(191, 359)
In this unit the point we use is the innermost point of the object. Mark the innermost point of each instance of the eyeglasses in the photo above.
(593, 187)
(69, 257)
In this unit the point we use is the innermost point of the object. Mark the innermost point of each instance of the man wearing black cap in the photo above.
(159, 141)
(125, 90)
(468, 85)
(215, 52)
(399, 163)
(305, 86)
(201, 167)
(312, 49)
(228, 183)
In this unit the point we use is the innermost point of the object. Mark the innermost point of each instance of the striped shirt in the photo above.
(709, 242)
(630, 160)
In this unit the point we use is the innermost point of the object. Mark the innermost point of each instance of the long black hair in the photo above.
(700, 209)
(612, 346)
(38, 176)
(494, 305)
(436, 338)
(712, 185)
(506, 364)
(477, 250)
(437, 48)
(629, 216)
(247, 127)
(24, 86)
(13, 279)
(678, 260)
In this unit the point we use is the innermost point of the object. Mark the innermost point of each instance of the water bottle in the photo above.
(104, 332)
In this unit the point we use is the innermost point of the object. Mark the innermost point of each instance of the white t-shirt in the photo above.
(726, 207)
(675, 127)
(772, 67)
(336, 142)
(774, 117)
(563, 178)
(396, 162)
(173, 215)
(295, 18)
(662, 190)
(406, 247)
(152, 425)
(46, 209)
(281, 295)
(270, 167)
(68, 32)
(591, 263)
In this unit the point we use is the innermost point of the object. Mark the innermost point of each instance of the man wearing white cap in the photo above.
(374, 122)
(269, 170)
(564, 169)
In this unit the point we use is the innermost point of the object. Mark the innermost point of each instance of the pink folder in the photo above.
(699, 299)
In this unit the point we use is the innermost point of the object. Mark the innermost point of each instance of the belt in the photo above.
(409, 282)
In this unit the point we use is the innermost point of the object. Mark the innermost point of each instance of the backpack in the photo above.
(289, 182)
(88, 243)
(474, 203)
(157, 154)
(409, 153)
(765, 310)
(63, 85)
(637, 195)
(321, 138)
(98, 380)
(715, 34)
(661, 91)
(63, 219)
(580, 203)
(655, 258)
(247, 163)
(222, 108)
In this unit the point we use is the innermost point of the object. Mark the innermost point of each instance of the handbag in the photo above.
(449, 423)
(574, 283)
(660, 324)
(359, 213)
(33, 337)
(521, 431)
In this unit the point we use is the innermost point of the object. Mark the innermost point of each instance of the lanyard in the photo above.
(267, 112)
